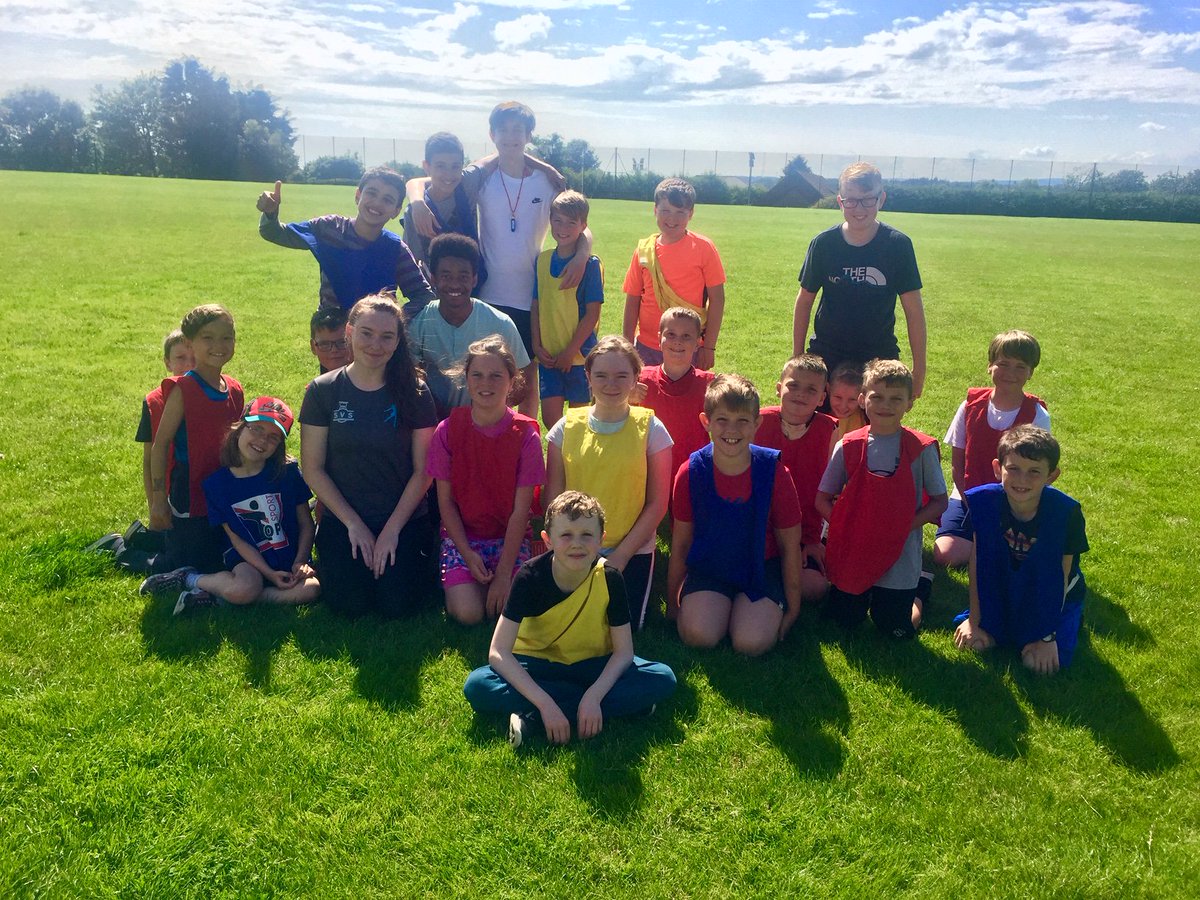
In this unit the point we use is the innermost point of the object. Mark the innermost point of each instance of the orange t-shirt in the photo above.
(689, 265)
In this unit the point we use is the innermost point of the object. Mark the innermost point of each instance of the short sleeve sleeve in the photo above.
(437, 462)
(531, 468)
(932, 479)
(658, 438)
(315, 408)
(144, 432)
(834, 478)
(785, 505)
(618, 605)
(681, 495)
(633, 277)
(713, 268)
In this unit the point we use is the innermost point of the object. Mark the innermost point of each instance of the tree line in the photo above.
(188, 122)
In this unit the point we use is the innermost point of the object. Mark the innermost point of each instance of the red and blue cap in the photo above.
(270, 409)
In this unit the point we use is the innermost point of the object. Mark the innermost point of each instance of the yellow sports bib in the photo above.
(558, 309)
(609, 467)
(573, 630)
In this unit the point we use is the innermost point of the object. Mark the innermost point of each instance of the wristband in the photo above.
(1050, 638)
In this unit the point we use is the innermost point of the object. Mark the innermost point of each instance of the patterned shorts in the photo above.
(454, 568)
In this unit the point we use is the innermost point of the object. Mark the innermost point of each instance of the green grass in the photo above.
(266, 751)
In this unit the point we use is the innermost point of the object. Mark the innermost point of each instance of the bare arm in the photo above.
(706, 355)
(307, 532)
(160, 452)
(824, 505)
(969, 635)
(788, 541)
(914, 317)
(573, 272)
(586, 327)
(514, 534)
(147, 481)
(249, 554)
(800, 318)
(633, 304)
(931, 511)
(501, 659)
(658, 492)
(590, 719)
(958, 468)
(681, 544)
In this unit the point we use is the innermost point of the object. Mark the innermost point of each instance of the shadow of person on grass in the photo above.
(1092, 694)
(971, 693)
(791, 687)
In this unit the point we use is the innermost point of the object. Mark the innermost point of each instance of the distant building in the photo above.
(799, 190)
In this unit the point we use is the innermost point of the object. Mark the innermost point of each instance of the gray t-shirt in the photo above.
(883, 455)
(369, 450)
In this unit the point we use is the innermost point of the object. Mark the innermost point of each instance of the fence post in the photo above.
(364, 159)
(932, 167)
(972, 171)
(895, 163)
(685, 164)
(303, 150)
(1050, 178)
(1011, 163)
(393, 149)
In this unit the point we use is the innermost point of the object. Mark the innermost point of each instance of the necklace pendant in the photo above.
(512, 224)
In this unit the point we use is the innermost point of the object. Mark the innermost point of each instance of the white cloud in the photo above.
(1037, 153)
(522, 30)
(1151, 126)
(827, 9)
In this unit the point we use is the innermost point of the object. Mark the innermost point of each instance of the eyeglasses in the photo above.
(326, 346)
(854, 202)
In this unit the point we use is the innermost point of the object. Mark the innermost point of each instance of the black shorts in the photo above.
(890, 609)
(772, 584)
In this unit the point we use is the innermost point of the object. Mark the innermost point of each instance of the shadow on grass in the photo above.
(1109, 619)
(1092, 694)
(388, 655)
(792, 688)
(975, 696)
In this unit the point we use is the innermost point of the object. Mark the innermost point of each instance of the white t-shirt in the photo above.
(514, 216)
(999, 419)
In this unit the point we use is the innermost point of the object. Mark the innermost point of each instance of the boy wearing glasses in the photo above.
(327, 338)
(860, 267)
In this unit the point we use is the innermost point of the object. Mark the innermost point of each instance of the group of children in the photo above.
(769, 507)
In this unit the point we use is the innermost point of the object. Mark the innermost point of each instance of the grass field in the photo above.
(280, 752)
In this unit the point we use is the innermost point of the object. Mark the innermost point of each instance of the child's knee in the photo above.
(950, 552)
(813, 585)
(464, 612)
(698, 634)
(754, 643)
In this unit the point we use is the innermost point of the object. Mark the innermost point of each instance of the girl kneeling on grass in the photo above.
(620, 455)
(261, 501)
(486, 460)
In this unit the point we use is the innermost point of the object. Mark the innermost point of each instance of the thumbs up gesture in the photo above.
(268, 201)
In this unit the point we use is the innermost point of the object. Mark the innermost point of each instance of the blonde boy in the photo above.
(674, 267)
(860, 267)
(563, 320)
(735, 542)
(873, 553)
(562, 651)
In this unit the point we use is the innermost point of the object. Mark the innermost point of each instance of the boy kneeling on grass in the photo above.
(562, 650)
(1026, 589)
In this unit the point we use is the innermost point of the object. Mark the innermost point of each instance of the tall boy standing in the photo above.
(1026, 588)
(514, 216)
(888, 483)
(674, 267)
(562, 651)
(564, 319)
(357, 256)
(860, 267)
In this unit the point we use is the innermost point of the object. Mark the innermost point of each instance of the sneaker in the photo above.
(193, 599)
(175, 580)
(518, 727)
(110, 543)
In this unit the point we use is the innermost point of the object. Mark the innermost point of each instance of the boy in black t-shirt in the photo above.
(562, 650)
(860, 267)
(1026, 589)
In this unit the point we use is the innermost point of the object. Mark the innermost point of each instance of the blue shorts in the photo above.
(956, 521)
(571, 386)
(772, 582)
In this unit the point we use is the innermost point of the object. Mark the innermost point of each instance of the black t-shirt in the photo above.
(369, 451)
(1021, 536)
(534, 591)
(856, 316)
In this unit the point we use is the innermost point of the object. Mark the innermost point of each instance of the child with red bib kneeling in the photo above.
(888, 483)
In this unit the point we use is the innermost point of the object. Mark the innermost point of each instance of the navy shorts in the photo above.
(772, 580)
(956, 521)
(571, 386)
(522, 318)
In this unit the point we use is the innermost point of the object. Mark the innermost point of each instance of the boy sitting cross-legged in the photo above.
(564, 319)
(562, 651)
(1026, 589)
(888, 483)
(735, 545)
(357, 256)
(675, 389)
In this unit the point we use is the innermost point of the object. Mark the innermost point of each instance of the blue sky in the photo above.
(1072, 81)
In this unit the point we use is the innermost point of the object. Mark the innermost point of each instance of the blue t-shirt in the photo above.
(261, 510)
